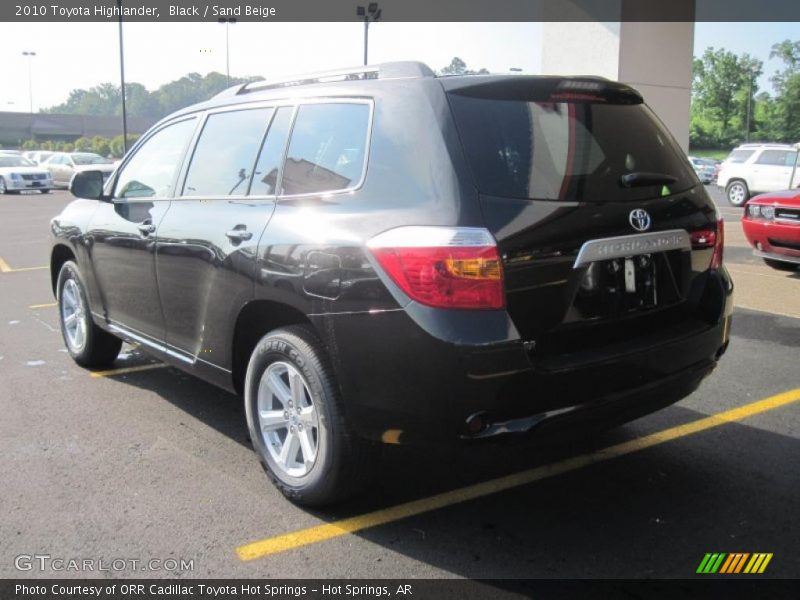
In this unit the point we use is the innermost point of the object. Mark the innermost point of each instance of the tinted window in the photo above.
(226, 152)
(151, 171)
(739, 156)
(566, 151)
(267, 170)
(779, 158)
(327, 149)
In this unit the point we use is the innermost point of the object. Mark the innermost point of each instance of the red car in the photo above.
(771, 223)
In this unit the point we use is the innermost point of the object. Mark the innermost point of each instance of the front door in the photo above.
(122, 233)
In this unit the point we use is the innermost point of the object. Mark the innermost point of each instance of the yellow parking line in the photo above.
(320, 533)
(122, 371)
(6, 268)
(48, 305)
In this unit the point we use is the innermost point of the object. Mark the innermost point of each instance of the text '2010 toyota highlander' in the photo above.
(386, 255)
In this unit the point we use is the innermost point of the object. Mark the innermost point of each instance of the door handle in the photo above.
(146, 228)
(238, 235)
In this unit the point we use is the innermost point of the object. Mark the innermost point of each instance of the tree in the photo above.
(787, 87)
(105, 99)
(83, 144)
(721, 85)
(459, 67)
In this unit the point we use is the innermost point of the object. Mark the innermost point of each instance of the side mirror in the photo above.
(87, 184)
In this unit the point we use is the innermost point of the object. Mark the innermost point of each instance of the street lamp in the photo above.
(122, 84)
(371, 14)
(752, 72)
(30, 56)
(227, 22)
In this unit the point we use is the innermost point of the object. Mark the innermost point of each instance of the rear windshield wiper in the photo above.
(640, 178)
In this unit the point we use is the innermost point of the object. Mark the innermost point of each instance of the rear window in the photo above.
(567, 151)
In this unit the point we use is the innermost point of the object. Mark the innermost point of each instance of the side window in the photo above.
(327, 148)
(265, 178)
(223, 159)
(780, 158)
(151, 171)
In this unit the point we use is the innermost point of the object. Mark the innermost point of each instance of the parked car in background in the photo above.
(9, 152)
(771, 223)
(17, 173)
(63, 165)
(37, 156)
(704, 168)
(755, 168)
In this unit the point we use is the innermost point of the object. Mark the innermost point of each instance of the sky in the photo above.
(82, 55)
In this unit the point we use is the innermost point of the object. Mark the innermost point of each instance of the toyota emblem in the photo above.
(640, 219)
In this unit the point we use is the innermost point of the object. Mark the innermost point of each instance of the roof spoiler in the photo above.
(546, 89)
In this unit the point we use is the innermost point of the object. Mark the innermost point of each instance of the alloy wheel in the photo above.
(73, 315)
(288, 419)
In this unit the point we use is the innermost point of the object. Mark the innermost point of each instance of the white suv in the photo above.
(756, 168)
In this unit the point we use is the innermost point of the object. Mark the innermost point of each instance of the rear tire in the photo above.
(737, 192)
(297, 421)
(87, 344)
(780, 265)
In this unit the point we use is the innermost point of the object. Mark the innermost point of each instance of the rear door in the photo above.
(207, 242)
(773, 169)
(562, 165)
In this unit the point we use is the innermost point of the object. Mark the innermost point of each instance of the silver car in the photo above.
(18, 173)
(63, 165)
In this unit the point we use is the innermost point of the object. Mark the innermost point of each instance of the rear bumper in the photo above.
(404, 384)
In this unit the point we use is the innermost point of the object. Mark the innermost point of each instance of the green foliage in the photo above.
(97, 144)
(117, 151)
(83, 144)
(459, 67)
(726, 99)
(106, 100)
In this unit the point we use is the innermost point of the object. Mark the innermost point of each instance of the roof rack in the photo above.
(392, 70)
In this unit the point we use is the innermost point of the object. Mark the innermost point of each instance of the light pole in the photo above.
(371, 14)
(122, 84)
(30, 56)
(752, 74)
(227, 22)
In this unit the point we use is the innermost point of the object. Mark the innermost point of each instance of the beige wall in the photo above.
(655, 58)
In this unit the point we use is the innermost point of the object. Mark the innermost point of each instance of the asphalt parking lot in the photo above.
(143, 462)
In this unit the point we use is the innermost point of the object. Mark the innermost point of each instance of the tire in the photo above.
(45, 191)
(4, 189)
(339, 463)
(87, 344)
(780, 265)
(737, 192)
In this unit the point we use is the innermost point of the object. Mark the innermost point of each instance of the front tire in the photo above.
(87, 344)
(780, 265)
(737, 192)
(297, 422)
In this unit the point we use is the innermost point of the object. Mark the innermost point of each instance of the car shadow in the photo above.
(653, 513)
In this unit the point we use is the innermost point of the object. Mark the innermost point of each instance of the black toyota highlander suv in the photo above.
(383, 255)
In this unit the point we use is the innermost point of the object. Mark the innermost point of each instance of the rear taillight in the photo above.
(711, 238)
(716, 258)
(443, 267)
